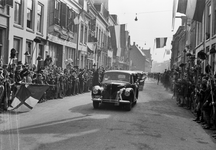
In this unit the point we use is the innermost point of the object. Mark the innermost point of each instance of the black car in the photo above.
(119, 87)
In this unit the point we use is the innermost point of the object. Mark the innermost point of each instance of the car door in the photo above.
(134, 84)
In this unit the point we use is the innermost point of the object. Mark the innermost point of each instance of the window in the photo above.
(1, 3)
(99, 35)
(85, 38)
(30, 14)
(214, 21)
(17, 47)
(81, 34)
(208, 23)
(41, 51)
(57, 12)
(70, 22)
(17, 11)
(29, 47)
(199, 33)
(63, 19)
(39, 18)
(1, 42)
(69, 54)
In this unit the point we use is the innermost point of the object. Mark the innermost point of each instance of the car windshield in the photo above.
(120, 76)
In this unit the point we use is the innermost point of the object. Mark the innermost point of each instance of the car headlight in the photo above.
(95, 91)
(127, 93)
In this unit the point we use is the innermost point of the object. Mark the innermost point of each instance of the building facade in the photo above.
(148, 64)
(199, 36)
(28, 29)
(4, 29)
(138, 58)
(69, 31)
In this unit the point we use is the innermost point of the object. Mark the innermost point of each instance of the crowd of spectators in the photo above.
(194, 91)
(62, 82)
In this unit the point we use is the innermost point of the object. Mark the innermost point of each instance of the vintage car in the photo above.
(118, 87)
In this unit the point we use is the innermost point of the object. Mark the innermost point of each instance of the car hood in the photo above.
(116, 83)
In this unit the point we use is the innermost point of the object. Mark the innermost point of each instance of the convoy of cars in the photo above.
(118, 87)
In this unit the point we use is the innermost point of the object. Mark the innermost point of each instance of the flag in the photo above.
(193, 9)
(160, 42)
(27, 97)
(123, 38)
(115, 32)
(77, 19)
(175, 2)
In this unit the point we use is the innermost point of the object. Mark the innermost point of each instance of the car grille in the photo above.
(110, 91)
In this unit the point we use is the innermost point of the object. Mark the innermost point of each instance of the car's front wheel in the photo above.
(96, 105)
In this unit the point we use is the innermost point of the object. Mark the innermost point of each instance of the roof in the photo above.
(139, 50)
(121, 71)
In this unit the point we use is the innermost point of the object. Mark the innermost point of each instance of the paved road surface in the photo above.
(155, 123)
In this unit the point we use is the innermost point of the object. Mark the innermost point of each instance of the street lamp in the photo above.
(136, 19)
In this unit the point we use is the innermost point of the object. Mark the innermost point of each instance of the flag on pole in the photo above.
(175, 2)
(77, 19)
(117, 36)
(27, 97)
(193, 9)
(161, 42)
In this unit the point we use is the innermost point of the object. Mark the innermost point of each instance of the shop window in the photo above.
(30, 14)
(17, 11)
(39, 17)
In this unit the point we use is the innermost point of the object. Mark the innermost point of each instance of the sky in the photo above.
(154, 21)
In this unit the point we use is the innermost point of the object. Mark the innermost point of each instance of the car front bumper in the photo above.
(113, 101)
